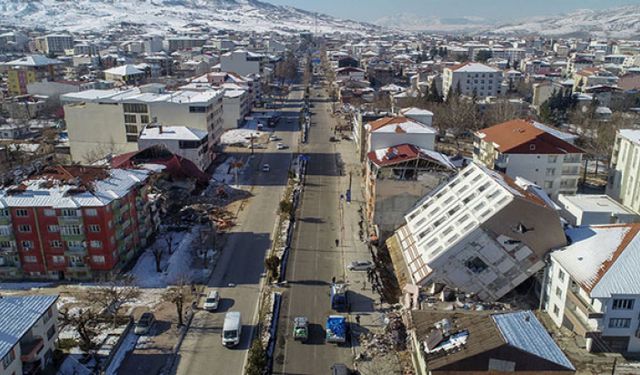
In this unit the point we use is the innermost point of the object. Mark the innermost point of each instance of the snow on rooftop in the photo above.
(124, 70)
(596, 203)
(135, 95)
(632, 135)
(567, 137)
(181, 133)
(590, 248)
(475, 68)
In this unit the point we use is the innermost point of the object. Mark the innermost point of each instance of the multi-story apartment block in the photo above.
(184, 43)
(481, 233)
(28, 333)
(472, 79)
(54, 43)
(592, 287)
(191, 144)
(624, 170)
(589, 77)
(29, 69)
(74, 222)
(101, 122)
(236, 106)
(242, 62)
(534, 151)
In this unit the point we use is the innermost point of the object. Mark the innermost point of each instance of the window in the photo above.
(69, 212)
(22, 212)
(74, 244)
(134, 107)
(91, 212)
(24, 228)
(197, 109)
(58, 259)
(4, 213)
(556, 310)
(144, 119)
(70, 230)
(132, 138)
(133, 129)
(5, 245)
(558, 292)
(51, 331)
(53, 228)
(129, 119)
(5, 230)
(98, 259)
(94, 228)
(619, 323)
(548, 184)
(623, 304)
(476, 265)
(561, 275)
(552, 158)
(49, 212)
(30, 259)
(96, 244)
(532, 147)
(27, 245)
(6, 361)
(551, 171)
(55, 243)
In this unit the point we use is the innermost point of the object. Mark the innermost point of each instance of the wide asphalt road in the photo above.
(239, 271)
(314, 259)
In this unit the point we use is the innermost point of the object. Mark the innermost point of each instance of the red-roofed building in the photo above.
(396, 178)
(534, 151)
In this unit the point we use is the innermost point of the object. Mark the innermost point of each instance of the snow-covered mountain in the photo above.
(621, 22)
(162, 15)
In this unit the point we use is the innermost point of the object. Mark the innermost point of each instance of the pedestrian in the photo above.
(364, 285)
(337, 242)
(358, 319)
(333, 280)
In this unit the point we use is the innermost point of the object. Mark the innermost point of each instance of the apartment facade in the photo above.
(191, 144)
(472, 79)
(54, 43)
(242, 62)
(540, 154)
(624, 171)
(390, 131)
(592, 287)
(102, 122)
(28, 333)
(74, 222)
(29, 69)
(480, 233)
(237, 106)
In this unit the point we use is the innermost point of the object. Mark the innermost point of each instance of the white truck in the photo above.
(231, 329)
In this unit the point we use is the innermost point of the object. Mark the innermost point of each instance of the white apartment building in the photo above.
(191, 144)
(481, 233)
(421, 115)
(472, 78)
(592, 287)
(242, 62)
(391, 131)
(28, 333)
(534, 151)
(594, 209)
(102, 122)
(54, 43)
(236, 106)
(624, 171)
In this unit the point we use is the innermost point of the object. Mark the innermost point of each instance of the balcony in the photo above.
(77, 266)
(30, 349)
(5, 220)
(74, 250)
(69, 220)
(7, 237)
(72, 237)
(586, 308)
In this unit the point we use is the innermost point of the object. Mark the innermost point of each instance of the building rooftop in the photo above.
(181, 133)
(17, 316)
(416, 112)
(597, 203)
(471, 67)
(399, 125)
(404, 152)
(134, 95)
(124, 70)
(72, 187)
(33, 61)
(523, 137)
(632, 135)
(604, 260)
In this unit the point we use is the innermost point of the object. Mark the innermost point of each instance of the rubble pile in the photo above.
(392, 339)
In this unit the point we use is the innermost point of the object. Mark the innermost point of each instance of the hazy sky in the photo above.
(502, 10)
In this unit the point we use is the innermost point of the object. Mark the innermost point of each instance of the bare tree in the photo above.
(158, 250)
(168, 238)
(177, 295)
(116, 292)
(500, 112)
(84, 322)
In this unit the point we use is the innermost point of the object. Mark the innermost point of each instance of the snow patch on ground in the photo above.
(235, 136)
(23, 286)
(128, 345)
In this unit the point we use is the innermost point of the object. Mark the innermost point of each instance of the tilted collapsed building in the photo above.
(480, 232)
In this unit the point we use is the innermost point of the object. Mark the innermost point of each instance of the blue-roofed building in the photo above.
(28, 332)
(484, 342)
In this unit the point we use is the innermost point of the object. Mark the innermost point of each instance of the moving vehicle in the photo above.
(143, 325)
(281, 146)
(274, 137)
(339, 296)
(266, 167)
(336, 329)
(360, 265)
(212, 301)
(300, 328)
(231, 328)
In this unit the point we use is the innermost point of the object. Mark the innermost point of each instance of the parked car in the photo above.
(266, 167)
(274, 138)
(300, 328)
(360, 265)
(281, 146)
(143, 325)
(212, 301)
(231, 328)
(340, 369)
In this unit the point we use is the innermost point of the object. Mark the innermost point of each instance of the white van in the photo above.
(231, 329)
(212, 300)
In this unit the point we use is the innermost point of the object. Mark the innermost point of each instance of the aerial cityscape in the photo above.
(302, 187)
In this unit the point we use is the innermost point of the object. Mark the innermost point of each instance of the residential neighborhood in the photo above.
(288, 187)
